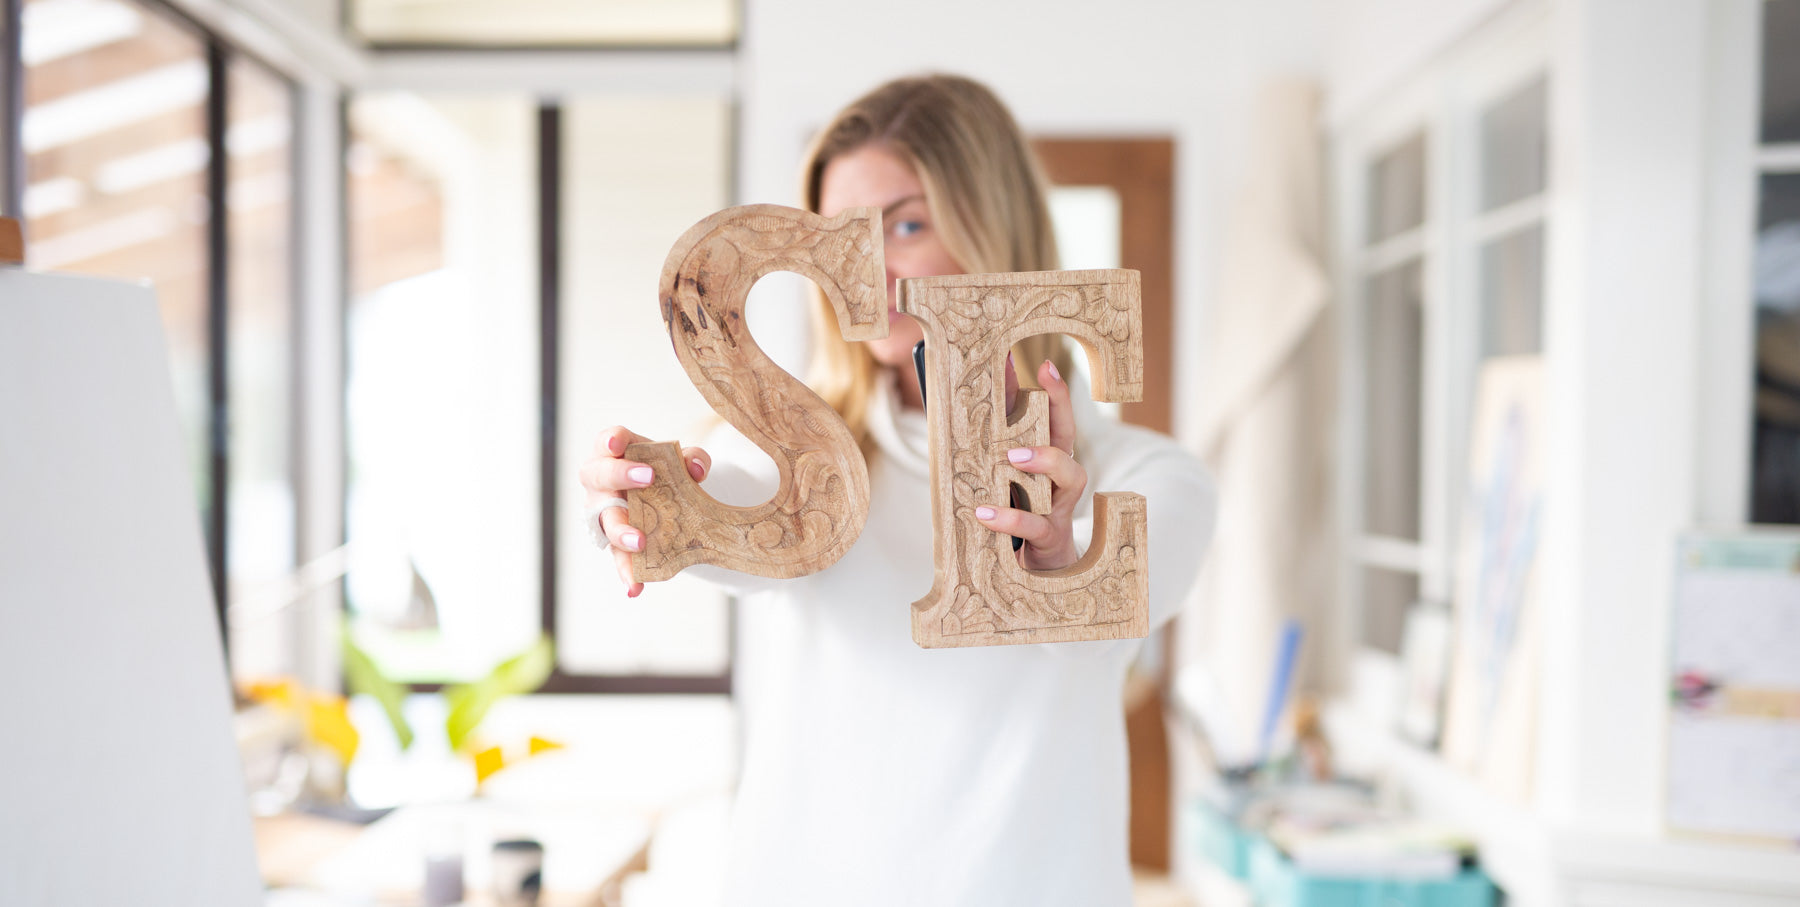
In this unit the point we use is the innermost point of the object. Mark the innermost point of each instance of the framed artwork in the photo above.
(1491, 714)
(1734, 685)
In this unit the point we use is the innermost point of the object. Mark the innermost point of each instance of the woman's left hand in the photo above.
(1049, 539)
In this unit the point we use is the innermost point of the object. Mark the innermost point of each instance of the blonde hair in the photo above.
(984, 189)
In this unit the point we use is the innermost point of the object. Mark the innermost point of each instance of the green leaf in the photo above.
(469, 703)
(365, 677)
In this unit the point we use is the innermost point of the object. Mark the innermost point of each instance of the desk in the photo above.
(631, 764)
(586, 857)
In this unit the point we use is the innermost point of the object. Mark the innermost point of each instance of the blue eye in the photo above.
(906, 228)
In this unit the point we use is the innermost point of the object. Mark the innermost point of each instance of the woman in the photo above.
(876, 772)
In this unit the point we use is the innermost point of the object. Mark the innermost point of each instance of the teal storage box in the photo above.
(1276, 883)
(1218, 839)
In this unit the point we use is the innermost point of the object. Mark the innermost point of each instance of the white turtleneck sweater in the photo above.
(878, 773)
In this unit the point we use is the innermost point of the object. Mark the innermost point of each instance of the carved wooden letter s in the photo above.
(823, 499)
(981, 596)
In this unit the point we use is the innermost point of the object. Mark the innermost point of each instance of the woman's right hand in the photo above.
(606, 474)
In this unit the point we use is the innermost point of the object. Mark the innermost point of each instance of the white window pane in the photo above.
(1386, 594)
(638, 173)
(1781, 72)
(1512, 294)
(1393, 336)
(1514, 146)
(1088, 224)
(1397, 190)
(1086, 221)
(443, 428)
(1775, 460)
(548, 22)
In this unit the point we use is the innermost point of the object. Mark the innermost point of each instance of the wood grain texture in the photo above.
(822, 501)
(980, 595)
(12, 243)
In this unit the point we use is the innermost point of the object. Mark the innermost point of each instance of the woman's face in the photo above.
(873, 177)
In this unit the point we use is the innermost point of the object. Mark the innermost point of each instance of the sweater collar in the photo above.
(902, 434)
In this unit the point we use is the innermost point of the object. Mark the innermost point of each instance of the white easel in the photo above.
(119, 776)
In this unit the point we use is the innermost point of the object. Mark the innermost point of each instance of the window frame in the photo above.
(220, 54)
(1766, 158)
(1443, 102)
(12, 110)
(551, 185)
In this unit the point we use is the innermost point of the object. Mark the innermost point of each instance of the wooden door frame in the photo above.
(1141, 170)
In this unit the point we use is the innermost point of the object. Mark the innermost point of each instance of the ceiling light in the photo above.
(157, 165)
(53, 29)
(64, 249)
(114, 104)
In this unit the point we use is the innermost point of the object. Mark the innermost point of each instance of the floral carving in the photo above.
(981, 595)
(823, 499)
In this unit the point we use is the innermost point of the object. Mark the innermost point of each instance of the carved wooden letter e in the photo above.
(823, 499)
(981, 596)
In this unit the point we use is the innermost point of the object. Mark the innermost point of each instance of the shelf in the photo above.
(1753, 870)
(1514, 844)
(1537, 864)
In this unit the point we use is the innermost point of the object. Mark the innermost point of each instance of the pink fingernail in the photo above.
(633, 541)
(1053, 372)
(1019, 454)
(984, 513)
(640, 474)
(699, 467)
(616, 445)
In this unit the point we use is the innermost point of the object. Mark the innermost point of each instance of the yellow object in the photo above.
(328, 723)
(487, 762)
(325, 716)
(282, 692)
(540, 745)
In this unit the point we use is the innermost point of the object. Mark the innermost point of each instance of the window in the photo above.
(1444, 218)
(12, 102)
(154, 151)
(639, 173)
(1775, 444)
(1392, 355)
(504, 264)
(442, 391)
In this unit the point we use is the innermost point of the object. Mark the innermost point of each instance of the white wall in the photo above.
(1630, 168)
(1187, 69)
(1372, 44)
